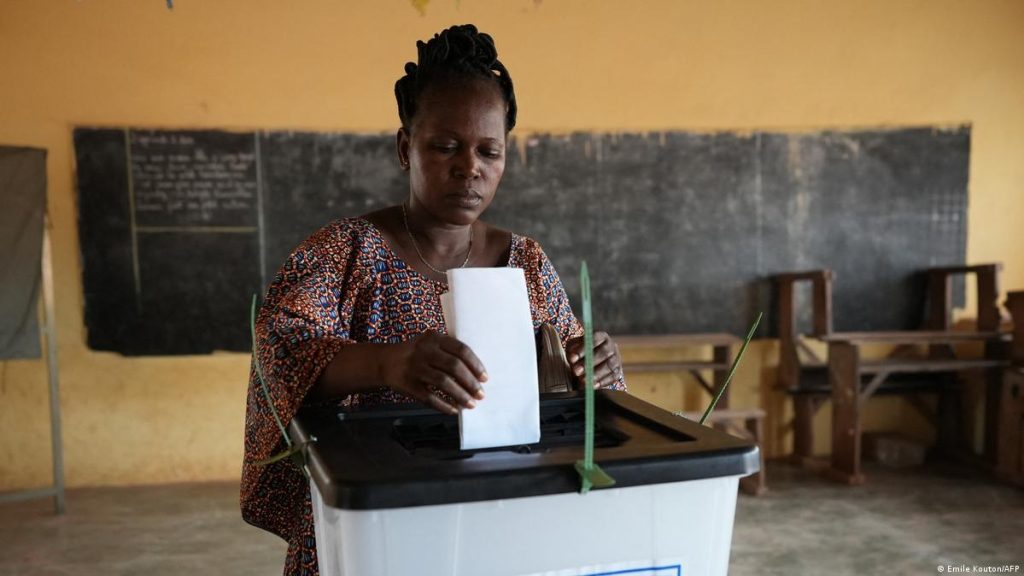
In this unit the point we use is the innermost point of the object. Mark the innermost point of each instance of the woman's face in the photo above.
(456, 149)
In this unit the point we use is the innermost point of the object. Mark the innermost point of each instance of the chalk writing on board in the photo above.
(178, 180)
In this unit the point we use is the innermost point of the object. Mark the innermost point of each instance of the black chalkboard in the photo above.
(681, 230)
(169, 229)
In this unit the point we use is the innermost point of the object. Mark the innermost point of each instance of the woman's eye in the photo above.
(446, 148)
(491, 153)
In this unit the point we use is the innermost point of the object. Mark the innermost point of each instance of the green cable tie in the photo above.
(732, 370)
(591, 475)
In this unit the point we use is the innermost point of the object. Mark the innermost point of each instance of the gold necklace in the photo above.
(405, 221)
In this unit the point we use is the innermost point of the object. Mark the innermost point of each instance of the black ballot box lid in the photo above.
(405, 455)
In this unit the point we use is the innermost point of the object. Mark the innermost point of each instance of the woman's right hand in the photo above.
(432, 363)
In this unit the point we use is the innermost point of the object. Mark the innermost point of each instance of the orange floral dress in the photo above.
(343, 285)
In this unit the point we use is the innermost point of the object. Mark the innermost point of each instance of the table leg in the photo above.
(993, 391)
(844, 378)
(805, 406)
(951, 439)
(723, 355)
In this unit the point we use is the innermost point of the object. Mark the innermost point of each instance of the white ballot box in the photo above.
(394, 495)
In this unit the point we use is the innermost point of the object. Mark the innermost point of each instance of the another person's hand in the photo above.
(432, 363)
(607, 364)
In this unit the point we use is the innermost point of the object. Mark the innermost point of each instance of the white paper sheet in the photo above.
(488, 309)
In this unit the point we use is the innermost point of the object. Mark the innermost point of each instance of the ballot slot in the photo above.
(561, 424)
(425, 434)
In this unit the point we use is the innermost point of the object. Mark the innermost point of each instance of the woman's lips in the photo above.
(464, 200)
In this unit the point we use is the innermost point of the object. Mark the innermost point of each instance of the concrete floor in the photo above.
(190, 529)
(905, 522)
(902, 522)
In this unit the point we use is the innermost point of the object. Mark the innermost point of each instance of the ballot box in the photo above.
(394, 495)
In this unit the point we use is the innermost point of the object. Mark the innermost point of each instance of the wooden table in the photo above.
(846, 368)
(721, 345)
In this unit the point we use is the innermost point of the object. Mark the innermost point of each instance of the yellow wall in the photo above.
(578, 65)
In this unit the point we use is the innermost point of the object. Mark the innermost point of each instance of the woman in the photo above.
(354, 315)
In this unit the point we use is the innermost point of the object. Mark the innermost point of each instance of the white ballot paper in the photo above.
(488, 310)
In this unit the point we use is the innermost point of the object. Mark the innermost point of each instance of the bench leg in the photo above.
(993, 391)
(949, 419)
(1010, 459)
(756, 484)
(844, 377)
(804, 408)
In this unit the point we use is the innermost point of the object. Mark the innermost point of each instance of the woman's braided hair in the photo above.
(460, 52)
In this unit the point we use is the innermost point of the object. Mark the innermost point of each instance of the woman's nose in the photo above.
(467, 165)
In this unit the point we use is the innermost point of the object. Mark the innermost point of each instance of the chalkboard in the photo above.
(681, 230)
(169, 230)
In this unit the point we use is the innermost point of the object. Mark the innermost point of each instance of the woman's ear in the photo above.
(402, 145)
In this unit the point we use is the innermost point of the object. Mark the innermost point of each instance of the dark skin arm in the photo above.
(607, 363)
(418, 368)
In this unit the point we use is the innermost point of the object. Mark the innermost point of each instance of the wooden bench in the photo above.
(746, 423)
(853, 381)
(849, 381)
(721, 345)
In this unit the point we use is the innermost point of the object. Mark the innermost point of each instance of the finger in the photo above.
(608, 379)
(580, 367)
(573, 348)
(460, 374)
(603, 353)
(607, 354)
(437, 379)
(601, 339)
(466, 355)
(604, 380)
(434, 401)
(602, 347)
(604, 373)
(601, 373)
(603, 358)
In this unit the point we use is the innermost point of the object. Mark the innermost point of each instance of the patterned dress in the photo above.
(342, 285)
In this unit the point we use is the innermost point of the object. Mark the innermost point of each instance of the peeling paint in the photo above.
(521, 144)
(420, 6)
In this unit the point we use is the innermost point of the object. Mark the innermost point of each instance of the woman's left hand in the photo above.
(607, 364)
